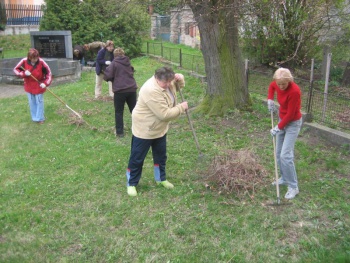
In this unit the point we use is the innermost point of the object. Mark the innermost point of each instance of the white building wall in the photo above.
(182, 23)
(19, 30)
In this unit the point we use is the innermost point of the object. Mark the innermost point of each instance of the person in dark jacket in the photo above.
(124, 86)
(37, 76)
(103, 60)
(79, 54)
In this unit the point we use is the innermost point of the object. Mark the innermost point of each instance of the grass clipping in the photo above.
(236, 172)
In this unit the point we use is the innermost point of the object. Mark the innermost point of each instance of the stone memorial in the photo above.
(52, 44)
(55, 47)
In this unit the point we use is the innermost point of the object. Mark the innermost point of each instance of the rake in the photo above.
(76, 113)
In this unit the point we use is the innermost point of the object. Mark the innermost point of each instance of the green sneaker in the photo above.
(132, 191)
(166, 184)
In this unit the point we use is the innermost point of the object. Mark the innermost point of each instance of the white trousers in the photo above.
(98, 86)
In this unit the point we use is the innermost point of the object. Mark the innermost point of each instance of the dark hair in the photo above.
(164, 74)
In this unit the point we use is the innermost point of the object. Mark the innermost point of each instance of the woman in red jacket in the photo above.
(287, 130)
(37, 76)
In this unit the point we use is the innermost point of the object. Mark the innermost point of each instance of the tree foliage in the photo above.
(164, 7)
(287, 32)
(95, 20)
(273, 32)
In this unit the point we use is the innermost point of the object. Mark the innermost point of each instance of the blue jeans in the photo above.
(285, 141)
(36, 105)
(139, 150)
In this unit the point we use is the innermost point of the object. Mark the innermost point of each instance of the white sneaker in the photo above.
(280, 182)
(291, 193)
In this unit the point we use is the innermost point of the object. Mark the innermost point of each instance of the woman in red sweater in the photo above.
(37, 76)
(287, 130)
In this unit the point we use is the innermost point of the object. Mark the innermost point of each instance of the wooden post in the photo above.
(325, 94)
(246, 72)
(180, 58)
(309, 100)
(326, 51)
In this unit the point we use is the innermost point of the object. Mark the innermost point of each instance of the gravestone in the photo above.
(52, 44)
(55, 47)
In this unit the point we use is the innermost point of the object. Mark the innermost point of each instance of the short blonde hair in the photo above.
(283, 73)
(118, 52)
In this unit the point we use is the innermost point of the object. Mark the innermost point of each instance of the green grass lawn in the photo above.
(63, 188)
(15, 46)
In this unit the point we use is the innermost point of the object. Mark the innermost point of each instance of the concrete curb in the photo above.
(333, 136)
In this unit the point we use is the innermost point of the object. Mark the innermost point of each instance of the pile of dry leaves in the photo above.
(237, 172)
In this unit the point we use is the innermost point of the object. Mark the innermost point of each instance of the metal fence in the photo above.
(15, 14)
(194, 63)
(330, 108)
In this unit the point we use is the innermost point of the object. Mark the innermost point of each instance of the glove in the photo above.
(42, 85)
(274, 131)
(271, 105)
(27, 73)
(107, 63)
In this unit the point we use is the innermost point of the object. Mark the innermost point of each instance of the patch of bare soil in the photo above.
(344, 117)
(341, 91)
(73, 249)
(101, 98)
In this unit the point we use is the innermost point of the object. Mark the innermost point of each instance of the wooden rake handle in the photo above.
(275, 159)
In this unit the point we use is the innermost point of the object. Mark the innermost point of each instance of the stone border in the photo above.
(335, 137)
(63, 70)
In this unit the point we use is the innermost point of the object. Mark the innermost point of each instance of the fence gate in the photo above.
(163, 28)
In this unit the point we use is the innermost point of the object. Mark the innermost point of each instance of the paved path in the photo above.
(7, 90)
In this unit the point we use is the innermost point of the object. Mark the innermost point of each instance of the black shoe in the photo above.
(120, 135)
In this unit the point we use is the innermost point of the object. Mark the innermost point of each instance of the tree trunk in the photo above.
(346, 76)
(223, 60)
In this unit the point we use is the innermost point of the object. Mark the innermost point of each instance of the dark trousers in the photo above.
(139, 150)
(119, 102)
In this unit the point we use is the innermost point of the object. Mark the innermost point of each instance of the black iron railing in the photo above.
(14, 14)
